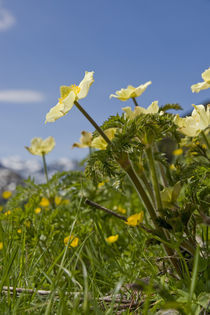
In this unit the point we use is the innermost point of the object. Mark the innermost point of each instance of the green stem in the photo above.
(135, 102)
(154, 177)
(126, 165)
(147, 186)
(100, 131)
(97, 206)
(128, 168)
(45, 167)
(205, 139)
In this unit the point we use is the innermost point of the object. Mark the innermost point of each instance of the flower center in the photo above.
(65, 90)
(76, 89)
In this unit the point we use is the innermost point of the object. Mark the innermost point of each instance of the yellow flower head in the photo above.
(37, 210)
(66, 201)
(121, 210)
(178, 152)
(101, 184)
(19, 231)
(111, 239)
(6, 194)
(202, 85)
(7, 213)
(85, 140)
(73, 241)
(70, 94)
(152, 109)
(44, 202)
(100, 143)
(40, 146)
(58, 200)
(192, 125)
(27, 223)
(172, 167)
(1, 245)
(135, 219)
(131, 91)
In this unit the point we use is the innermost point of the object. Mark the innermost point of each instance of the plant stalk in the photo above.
(135, 102)
(45, 167)
(154, 177)
(100, 131)
(205, 140)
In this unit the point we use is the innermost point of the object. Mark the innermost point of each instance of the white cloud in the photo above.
(21, 96)
(7, 20)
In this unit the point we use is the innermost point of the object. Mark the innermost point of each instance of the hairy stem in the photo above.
(45, 167)
(97, 206)
(147, 186)
(100, 131)
(154, 177)
(135, 102)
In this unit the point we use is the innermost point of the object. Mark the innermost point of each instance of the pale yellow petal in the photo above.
(202, 116)
(141, 88)
(153, 108)
(40, 146)
(48, 144)
(68, 102)
(85, 84)
(128, 112)
(85, 140)
(55, 113)
(100, 143)
(200, 86)
(206, 75)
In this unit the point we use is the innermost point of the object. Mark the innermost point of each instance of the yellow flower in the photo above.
(44, 202)
(101, 184)
(152, 109)
(37, 210)
(111, 239)
(172, 167)
(1, 245)
(135, 219)
(85, 140)
(19, 231)
(70, 94)
(1, 208)
(40, 146)
(121, 210)
(192, 125)
(27, 223)
(178, 152)
(100, 143)
(73, 241)
(66, 201)
(7, 213)
(58, 200)
(6, 194)
(131, 91)
(202, 85)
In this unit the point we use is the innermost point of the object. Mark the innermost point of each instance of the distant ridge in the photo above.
(34, 168)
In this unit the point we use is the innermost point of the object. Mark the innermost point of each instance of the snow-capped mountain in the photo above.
(34, 168)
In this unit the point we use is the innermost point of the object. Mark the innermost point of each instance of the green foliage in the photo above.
(52, 240)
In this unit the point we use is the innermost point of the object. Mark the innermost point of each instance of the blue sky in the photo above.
(45, 44)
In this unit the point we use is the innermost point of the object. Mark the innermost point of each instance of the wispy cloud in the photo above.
(7, 20)
(21, 96)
